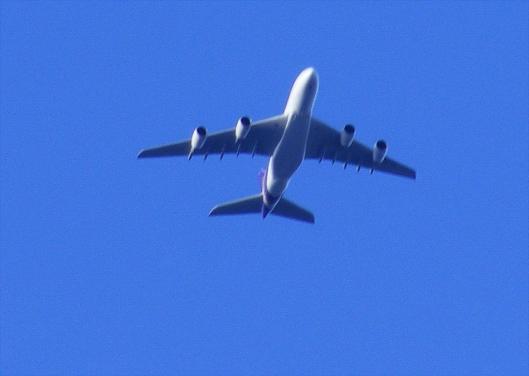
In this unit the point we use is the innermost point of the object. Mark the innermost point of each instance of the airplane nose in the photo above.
(311, 75)
(311, 72)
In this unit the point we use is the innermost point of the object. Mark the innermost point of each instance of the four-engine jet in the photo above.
(287, 139)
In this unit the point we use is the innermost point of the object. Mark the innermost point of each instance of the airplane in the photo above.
(287, 139)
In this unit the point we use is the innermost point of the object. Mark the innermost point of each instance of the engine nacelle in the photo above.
(198, 138)
(347, 136)
(242, 128)
(379, 151)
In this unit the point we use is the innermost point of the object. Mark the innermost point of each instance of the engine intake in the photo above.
(379, 151)
(242, 128)
(198, 138)
(347, 135)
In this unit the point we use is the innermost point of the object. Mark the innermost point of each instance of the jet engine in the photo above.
(347, 135)
(198, 138)
(379, 151)
(242, 128)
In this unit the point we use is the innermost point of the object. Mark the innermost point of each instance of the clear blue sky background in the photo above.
(110, 265)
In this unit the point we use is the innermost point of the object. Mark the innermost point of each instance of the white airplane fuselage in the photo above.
(290, 150)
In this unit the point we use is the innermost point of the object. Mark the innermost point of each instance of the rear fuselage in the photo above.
(290, 150)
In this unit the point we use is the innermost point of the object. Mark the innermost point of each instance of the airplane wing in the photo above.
(324, 143)
(261, 139)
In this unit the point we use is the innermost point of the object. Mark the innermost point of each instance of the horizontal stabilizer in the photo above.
(254, 204)
(288, 209)
(247, 205)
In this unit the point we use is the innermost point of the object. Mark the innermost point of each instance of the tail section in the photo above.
(254, 205)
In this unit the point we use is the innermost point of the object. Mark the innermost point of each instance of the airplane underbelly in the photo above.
(289, 153)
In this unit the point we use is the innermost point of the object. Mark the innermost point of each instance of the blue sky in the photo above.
(110, 265)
